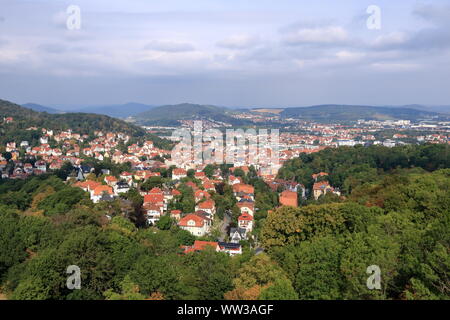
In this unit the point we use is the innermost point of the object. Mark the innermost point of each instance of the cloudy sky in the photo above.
(225, 52)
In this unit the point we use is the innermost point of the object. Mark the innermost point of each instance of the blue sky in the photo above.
(225, 52)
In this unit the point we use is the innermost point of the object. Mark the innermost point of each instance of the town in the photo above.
(214, 202)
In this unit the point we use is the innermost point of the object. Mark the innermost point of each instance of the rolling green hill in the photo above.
(171, 114)
(41, 108)
(352, 113)
(83, 123)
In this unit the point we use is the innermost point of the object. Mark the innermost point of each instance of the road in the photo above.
(224, 226)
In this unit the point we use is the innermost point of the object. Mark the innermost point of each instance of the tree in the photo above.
(209, 170)
(152, 182)
(153, 274)
(129, 291)
(318, 275)
(261, 272)
(165, 222)
(281, 289)
(208, 275)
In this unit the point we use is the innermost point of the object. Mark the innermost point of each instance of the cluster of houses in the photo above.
(245, 197)
(321, 187)
(227, 247)
(73, 147)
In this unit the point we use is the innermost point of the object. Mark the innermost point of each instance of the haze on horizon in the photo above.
(225, 52)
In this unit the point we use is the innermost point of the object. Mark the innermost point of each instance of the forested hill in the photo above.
(353, 113)
(349, 167)
(83, 123)
(398, 219)
(172, 114)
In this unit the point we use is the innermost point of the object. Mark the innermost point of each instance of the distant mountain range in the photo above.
(40, 108)
(170, 115)
(118, 110)
(439, 109)
(352, 113)
(83, 123)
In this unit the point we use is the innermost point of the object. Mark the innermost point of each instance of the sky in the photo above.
(239, 53)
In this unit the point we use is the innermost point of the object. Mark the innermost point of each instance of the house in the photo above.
(98, 192)
(200, 194)
(41, 165)
(199, 246)
(110, 180)
(126, 176)
(209, 206)
(241, 189)
(289, 198)
(43, 140)
(86, 169)
(55, 165)
(321, 188)
(237, 235)
(200, 175)
(209, 186)
(232, 180)
(245, 221)
(319, 175)
(195, 224)
(152, 213)
(87, 186)
(175, 214)
(156, 199)
(121, 187)
(246, 207)
(230, 248)
(28, 168)
(3, 164)
(178, 173)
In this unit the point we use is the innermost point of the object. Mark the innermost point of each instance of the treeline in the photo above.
(82, 123)
(398, 221)
(400, 224)
(349, 167)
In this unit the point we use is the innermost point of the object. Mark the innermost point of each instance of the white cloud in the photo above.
(395, 67)
(323, 35)
(239, 42)
(390, 39)
(169, 46)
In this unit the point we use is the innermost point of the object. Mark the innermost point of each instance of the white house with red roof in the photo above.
(208, 206)
(245, 221)
(195, 224)
(179, 173)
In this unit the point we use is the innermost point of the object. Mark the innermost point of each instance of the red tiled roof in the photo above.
(242, 187)
(199, 221)
(321, 185)
(245, 217)
(153, 198)
(101, 189)
(208, 204)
